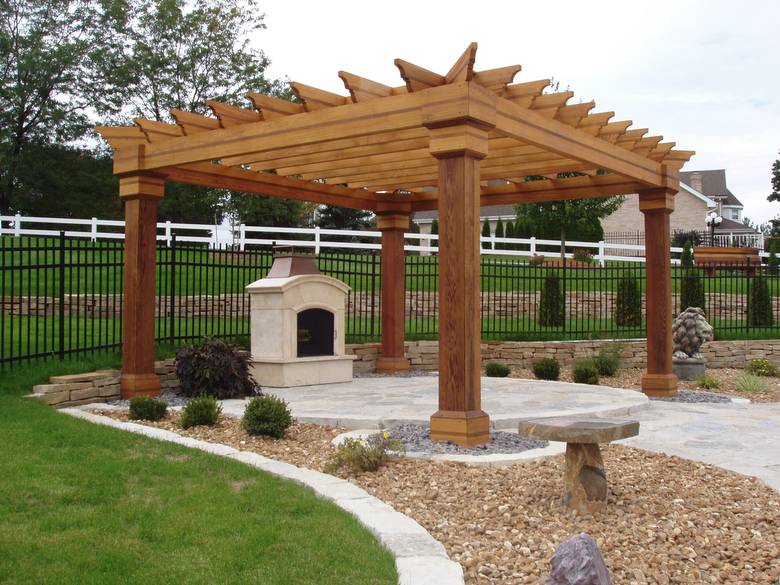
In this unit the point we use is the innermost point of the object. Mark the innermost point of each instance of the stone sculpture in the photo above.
(578, 561)
(690, 331)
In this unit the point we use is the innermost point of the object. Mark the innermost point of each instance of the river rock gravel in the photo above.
(416, 439)
(694, 396)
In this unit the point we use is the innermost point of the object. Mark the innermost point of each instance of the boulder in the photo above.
(578, 561)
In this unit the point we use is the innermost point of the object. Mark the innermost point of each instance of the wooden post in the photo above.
(459, 140)
(657, 205)
(391, 357)
(140, 193)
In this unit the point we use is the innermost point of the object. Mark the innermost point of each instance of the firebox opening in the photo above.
(315, 333)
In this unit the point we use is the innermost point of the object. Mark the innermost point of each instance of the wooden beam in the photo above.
(362, 90)
(158, 130)
(417, 78)
(231, 115)
(463, 69)
(524, 94)
(271, 107)
(527, 126)
(497, 79)
(316, 99)
(122, 136)
(194, 123)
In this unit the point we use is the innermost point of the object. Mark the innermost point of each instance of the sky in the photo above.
(704, 74)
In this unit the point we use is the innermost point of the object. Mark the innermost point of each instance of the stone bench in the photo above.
(585, 480)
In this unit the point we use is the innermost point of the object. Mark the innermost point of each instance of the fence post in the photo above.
(533, 246)
(93, 233)
(18, 225)
(242, 237)
(316, 239)
(168, 233)
(62, 296)
(172, 293)
(601, 253)
(373, 292)
(492, 242)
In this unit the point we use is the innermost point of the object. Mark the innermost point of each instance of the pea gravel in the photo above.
(416, 439)
(694, 396)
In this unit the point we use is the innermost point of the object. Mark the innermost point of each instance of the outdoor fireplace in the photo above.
(297, 325)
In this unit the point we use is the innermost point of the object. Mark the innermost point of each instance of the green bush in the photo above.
(692, 291)
(583, 256)
(628, 304)
(500, 234)
(686, 260)
(551, 304)
(214, 368)
(585, 372)
(358, 456)
(267, 415)
(547, 369)
(201, 410)
(145, 408)
(607, 361)
(497, 370)
(435, 227)
(486, 234)
(708, 382)
(761, 367)
(773, 261)
(760, 308)
(750, 384)
(680, 237)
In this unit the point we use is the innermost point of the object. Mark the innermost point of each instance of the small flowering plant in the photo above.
(360, 455)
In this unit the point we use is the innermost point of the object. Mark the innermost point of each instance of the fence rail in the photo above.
(63, 295)
(614, 248)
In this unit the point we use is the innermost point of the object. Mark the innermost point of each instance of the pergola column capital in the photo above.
(392, 221)
(142, 185)
(660, 200)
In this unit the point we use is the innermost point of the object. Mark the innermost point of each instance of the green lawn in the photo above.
(82, 504)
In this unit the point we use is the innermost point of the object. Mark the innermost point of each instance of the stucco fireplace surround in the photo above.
(297, 325)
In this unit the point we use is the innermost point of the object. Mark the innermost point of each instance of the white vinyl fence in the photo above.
(315, 238)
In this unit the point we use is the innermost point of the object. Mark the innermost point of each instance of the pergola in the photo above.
(435, 142)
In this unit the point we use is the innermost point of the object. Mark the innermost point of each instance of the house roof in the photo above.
(731, 226)
(713, 184)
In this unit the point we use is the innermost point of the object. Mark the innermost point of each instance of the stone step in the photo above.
(52, 399)
(55, 388)
(76, 378)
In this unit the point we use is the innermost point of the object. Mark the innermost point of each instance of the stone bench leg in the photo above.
(585, 481)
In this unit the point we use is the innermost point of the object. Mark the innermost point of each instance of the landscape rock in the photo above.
(578, 561)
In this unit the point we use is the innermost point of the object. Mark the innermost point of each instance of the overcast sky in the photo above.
(704, 74)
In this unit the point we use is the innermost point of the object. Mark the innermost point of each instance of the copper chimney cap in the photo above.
(291, 264)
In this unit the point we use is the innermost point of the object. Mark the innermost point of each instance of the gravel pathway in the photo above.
(416, 440)
(695, 396)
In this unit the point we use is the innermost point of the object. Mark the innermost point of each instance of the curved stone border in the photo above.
(420, 559)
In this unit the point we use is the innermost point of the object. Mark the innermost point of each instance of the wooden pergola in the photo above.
(435, 142)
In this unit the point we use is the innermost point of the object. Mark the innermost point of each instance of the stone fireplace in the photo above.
(297, 325)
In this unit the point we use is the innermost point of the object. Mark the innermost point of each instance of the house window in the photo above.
(735, 214)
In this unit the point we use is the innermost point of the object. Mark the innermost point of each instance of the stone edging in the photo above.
(419, 558)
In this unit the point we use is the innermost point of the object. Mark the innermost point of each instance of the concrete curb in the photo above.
(420, 559)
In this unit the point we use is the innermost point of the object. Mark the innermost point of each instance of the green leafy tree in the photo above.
(773, 261)
(435, 226)
(343, 218)
(692, 291)
(628, 303)
(686, 260)
(551, 304)
(760, 312)
(486, 234)
(258, 210)
(775, 194)
(500, 234)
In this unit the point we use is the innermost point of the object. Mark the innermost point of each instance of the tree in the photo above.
(259, 210)
(775, 194)
(343, 218)
(435, 226)
(551, 303)
(686, 260)
(486, 234)
(500, 234)
(48, 50)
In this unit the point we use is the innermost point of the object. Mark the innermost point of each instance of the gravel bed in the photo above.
(415, 438)
(694, 396)
(668, 520)
(170, 398)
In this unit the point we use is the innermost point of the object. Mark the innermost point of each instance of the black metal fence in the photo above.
(60, 296)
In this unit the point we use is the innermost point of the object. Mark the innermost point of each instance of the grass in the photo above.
(84, 504)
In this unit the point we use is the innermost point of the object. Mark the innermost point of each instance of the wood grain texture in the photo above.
(393, 297)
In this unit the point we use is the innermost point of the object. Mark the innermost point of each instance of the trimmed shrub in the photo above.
(486, 234)
(496, 370)
(536, 260)
(145, 408)
(773, 261)
(358, 456)
(761, 367)
(547, 369)
(708, 382)
(628, 303)
(582, 255)
(607, 361)
(500, 234)
(680, 237)
(750, 384)
(692, 291)
(267, 415)
(551, 304)
(585, 372)
(686, 260)
(214, 368)
(200, 411)
(760, 308)
(435, 227)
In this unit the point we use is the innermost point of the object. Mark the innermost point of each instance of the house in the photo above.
(712, 183)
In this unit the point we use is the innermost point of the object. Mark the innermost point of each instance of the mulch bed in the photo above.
(668, 520)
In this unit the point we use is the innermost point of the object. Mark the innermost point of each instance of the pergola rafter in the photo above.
(451, 142)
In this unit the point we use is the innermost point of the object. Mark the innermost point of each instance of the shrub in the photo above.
(628, 304)
(680, 237)
(607, 361)
(547, 369)
(486, 234)
(773, 262)
(585, 372)
(214, 368)
(761, 367)
(708, 382)
(267, 415)
(145, 408)
(692, 291)
(536, 260)
(435, 227)
(583, 256)
(500, 234)
(750, 384)
(551, 307)
(760, 307)
(201, 410)
(357, 456)
(497, 370)
(686, 260)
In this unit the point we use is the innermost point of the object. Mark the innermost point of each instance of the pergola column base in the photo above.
(390, 365)
(131, 385)
(656, 385)
(467, 429)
